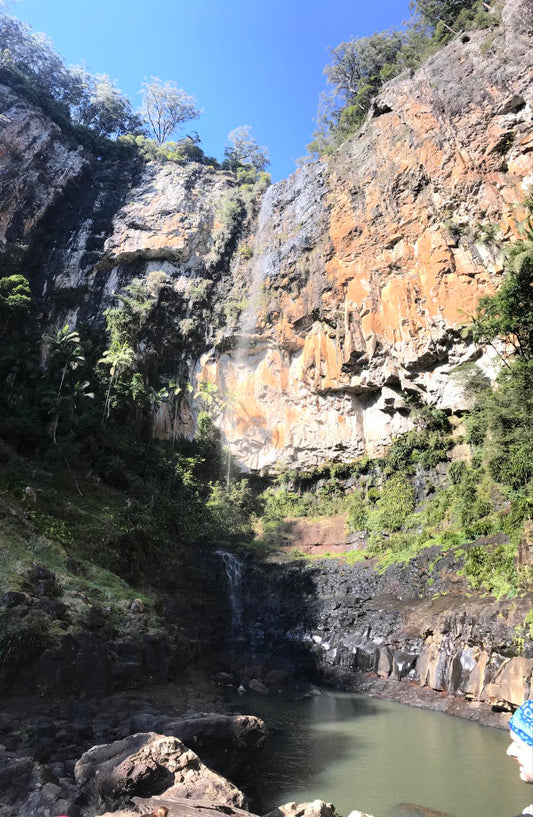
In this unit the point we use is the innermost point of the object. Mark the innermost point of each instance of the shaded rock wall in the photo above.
(93, 657)
(347, 624)
(36, 164)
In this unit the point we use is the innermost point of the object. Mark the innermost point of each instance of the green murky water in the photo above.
(372, 755)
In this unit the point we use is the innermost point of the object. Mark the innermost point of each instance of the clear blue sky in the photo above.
(247, 62)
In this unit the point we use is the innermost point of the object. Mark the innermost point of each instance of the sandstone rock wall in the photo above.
(352, 281)
(376, 257)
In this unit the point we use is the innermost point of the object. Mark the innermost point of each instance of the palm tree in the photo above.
(65, 354)
(65, 350)
(119, 358)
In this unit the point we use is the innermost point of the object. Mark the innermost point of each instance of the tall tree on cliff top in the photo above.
(433, 12)
(166, 107)
(244, 150)
(97, 103)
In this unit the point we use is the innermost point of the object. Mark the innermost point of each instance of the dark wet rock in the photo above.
(14, 598)
(26, 790)
(414, 622)
(225, 742)
(53, 608)
(94, 619)
(155, 656)
(258, 686)
(223, 678)
(276, 678)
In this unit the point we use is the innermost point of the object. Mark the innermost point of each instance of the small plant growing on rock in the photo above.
(22, 639)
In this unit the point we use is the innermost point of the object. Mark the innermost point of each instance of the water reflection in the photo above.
(372, 755)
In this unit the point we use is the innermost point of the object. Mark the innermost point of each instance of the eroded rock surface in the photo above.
(353, 280)
(36, 165)
(145, 766)
(28, 790)
(377, 255)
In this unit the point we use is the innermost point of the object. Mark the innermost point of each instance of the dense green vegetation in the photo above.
(85, 414)
(490, 494)
(359, 67)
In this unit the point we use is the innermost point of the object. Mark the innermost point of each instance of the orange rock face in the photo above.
(377, 256)
(353, 281)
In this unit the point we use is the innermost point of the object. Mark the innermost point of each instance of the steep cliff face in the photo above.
(352, 281)
(376, 257)
(350, 624)
(36, 165)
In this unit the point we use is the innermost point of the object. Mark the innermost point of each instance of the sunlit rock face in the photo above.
(352, 280)
(371, 260)
(36, 165)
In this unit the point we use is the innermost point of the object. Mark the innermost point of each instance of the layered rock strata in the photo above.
(353, 281)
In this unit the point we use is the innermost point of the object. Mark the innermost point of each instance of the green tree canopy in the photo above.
(97, 103)
(433, 12)
(166, 107)
(358, 62)
(15, 301)
(244, 150)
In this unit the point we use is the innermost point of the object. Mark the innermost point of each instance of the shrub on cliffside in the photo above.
(359, 67)
(501, 421)
(22, 638)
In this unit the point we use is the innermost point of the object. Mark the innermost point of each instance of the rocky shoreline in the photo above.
(141, 737)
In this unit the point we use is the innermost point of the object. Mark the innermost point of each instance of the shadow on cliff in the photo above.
(68, 243)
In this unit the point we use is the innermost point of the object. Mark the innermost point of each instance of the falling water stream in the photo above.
(261, 264)
(234, 570)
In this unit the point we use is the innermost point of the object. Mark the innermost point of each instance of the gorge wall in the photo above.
(315, 313)
(356, 628)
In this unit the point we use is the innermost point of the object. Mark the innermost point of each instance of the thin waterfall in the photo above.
(234, 573)
(237, 382)
(261, 265)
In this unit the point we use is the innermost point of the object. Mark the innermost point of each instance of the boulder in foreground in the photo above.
(147, 765)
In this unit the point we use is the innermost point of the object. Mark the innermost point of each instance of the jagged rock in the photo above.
(318, 808)
(513, 682)
(38, 164)
(349, 623)
(185, 808)
(26, 790)
(258, 686)
(147, 764)
(223, 742)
